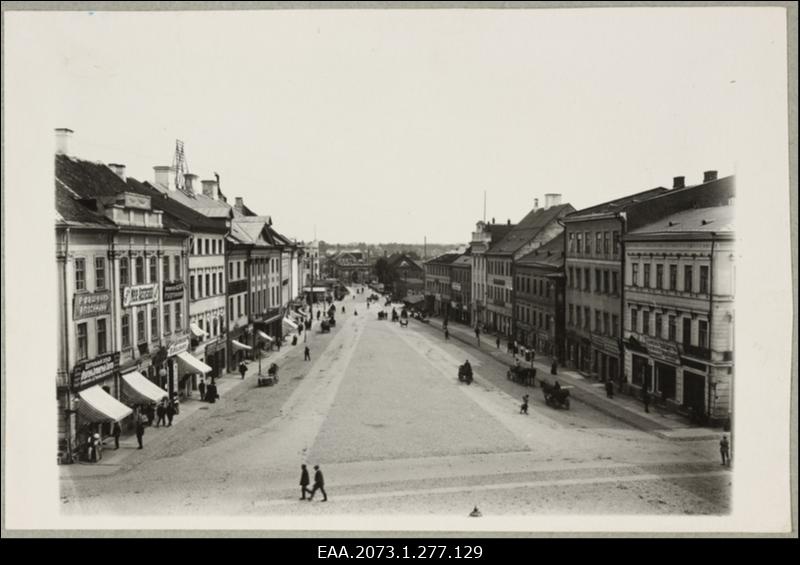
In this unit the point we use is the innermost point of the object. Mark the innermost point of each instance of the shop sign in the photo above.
(173, 291)
(178, 346)
(88, 305)
(145, 363)
(499, 282)
(663, 350)
(456, 286)
(212, 348)
(139, 294)
(87, 373)
(236, 287)
(602, 345)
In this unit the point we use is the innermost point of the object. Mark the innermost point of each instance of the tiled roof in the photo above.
(174, 212)
(70, 211)
(617, 205)
(718, 219)
(87, 179)
(550, 254)
(499, 231)
(445, 258)
(464, 261)
(528, 228)
(199, 202)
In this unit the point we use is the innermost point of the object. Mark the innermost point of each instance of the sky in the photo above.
(384, 126)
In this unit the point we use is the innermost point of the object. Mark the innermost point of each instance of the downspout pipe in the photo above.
(710, 315)
(623, 218)
(68, 411)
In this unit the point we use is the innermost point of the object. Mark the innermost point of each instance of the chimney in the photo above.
(165, 176)
(211, 189)
(191, 183)
(678, 182)
(535, 204)
(492, 220)
(551, 199)
(118, 169)
(708, 176)
(63, 135)
(239, 206)
(508, 221)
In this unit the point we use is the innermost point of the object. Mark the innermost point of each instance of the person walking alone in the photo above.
(115, 432)
(202, 388)
(478, 335)
(497, 342)
(161, 412)
(304, 481)
(524, 408)
(319, 483)
(724, 451)
(242, 369)
(646, 400)
(446, 334)
(139, 429)
(307, 354)
(610, 388)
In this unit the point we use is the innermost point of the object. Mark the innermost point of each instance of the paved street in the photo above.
(380, 409)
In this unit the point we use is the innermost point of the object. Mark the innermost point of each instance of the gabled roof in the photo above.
(499, 231)
(198, 202)
(464, 261)
(397, 260)
(551, 254)
(174, 210)
(717, 219)
(617, 205)
(87, 179)
(71, 212)
(528, 228)
(444, 259)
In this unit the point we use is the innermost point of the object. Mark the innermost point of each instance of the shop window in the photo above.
(82, 336)
(99, 273)
(80, 273)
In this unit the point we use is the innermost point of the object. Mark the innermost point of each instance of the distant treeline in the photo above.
(414, 250)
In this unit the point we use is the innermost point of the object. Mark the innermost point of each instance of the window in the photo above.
(238, 269)
(546, 322)
(140, 327)
(219, 276)
(578, 317)
(230, 270)
(687, 331)
(646, 267)
(154, 322)
(214, 283)
(586, 317)
(239, 306)
(635, 274)
(606, 288)
(615, 282)
(702, 334)
(216, 325)
(178, 268)
(588, 239)
(687, 278)
(616, 242)
(102, 336)
(597, 326)
(634, 320)
(598, 282)
(165, 265)
(139, 270)
(646, 322)
(598, 243)
(571, 242)
(606, 243)
(153, 269)
(579, 246)
(671, 330)
(570, 310)
(673, 277)
(99, 273)
(178, 317)
(614, 325)
(124, 274)
(659, 276)
(703, 280)
(587, 282)
(606, 325)
(208, 284)
(232, 311)
(126, 330)
(167, 321)
(80, 273)
(192, 291)
(83, 341)
(659, 326)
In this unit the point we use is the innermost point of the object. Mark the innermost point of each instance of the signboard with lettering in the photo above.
(236, 287)
(664, 350)
(456, 286)
(178, 346)
(87, 373)
(139, 294)
(173, 290)
(499, 282)
(88, 305)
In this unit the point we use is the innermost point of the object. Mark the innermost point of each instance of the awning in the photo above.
(138, 389)
(264, 336)
(290, 323)
(192, 364)
(197, 330)
(238, 345)
(302, 314)
(97, 405)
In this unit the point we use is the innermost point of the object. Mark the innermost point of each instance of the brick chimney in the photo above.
(165, 176)
(239, 205)
(119, 169)
(679, 182)
(192, 183)
(708, 176)
(552, 199)
(63, 136)
(211, 189)
(535, 204)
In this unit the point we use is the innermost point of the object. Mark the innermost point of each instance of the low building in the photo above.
(438, 289)
(679, 304)
(461, 287)
(350, 266)
(409, 275)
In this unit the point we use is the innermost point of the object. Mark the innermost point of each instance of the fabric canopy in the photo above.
(192, 364)
(138, 389)
(197, 330)
(290, 323)
(239, 345)
(263, 335)
(98, 406)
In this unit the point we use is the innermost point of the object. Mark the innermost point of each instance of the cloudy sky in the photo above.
(390, 125)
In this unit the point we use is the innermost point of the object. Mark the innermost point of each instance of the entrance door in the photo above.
(694, 392)
(666, 380)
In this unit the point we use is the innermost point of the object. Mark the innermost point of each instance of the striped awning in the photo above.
(97, 405)
(264, 336)
(197, 330)
(192, 364)
(290, 323)
(138, 389)
(237, 345)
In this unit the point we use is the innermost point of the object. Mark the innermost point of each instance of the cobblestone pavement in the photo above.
(380, 409)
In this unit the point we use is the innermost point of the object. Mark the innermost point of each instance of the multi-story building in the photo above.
(482, 238)
(679, 312)
(239, 296)
(350, 266)
(409, 275)
(438, 289)
(595, 268)
(538, 227)
(127, 326)
(309, 265)
(461, 287)
(539, 298)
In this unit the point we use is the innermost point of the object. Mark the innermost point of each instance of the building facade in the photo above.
(438, 284)
(461, 289)
(481, 241)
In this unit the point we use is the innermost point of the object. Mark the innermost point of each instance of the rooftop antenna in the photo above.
(180, 166)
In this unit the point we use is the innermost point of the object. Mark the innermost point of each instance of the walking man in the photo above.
(610, 388)
(478, 335)
(446, 334)
(115, 432)
(319, 483)
(242, 369)
(524, 408)
(170, 412)
(202, 388)
(139, 429)
(724, 451)
(497, 342)
(307, 357)
(646, 400)
(161, 412)
(304, 481)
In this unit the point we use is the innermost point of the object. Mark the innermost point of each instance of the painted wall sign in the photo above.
(87, 373)
(173, 290)
(178, 346)
(663, 350)
(139, 294)
(89, 305)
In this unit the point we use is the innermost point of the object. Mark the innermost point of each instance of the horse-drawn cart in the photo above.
(555, 395)
(525, 376)
(465, 373)
(271, 378)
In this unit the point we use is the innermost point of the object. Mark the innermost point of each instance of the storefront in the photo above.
(191, 368)
(97, 410)
(215, 358)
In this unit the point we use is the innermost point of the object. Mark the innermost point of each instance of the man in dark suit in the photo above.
(304, 481)
(319, 483)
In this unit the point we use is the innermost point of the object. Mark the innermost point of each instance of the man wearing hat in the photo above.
(319, 483)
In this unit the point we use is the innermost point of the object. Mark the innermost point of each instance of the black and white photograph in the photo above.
(507, 268)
